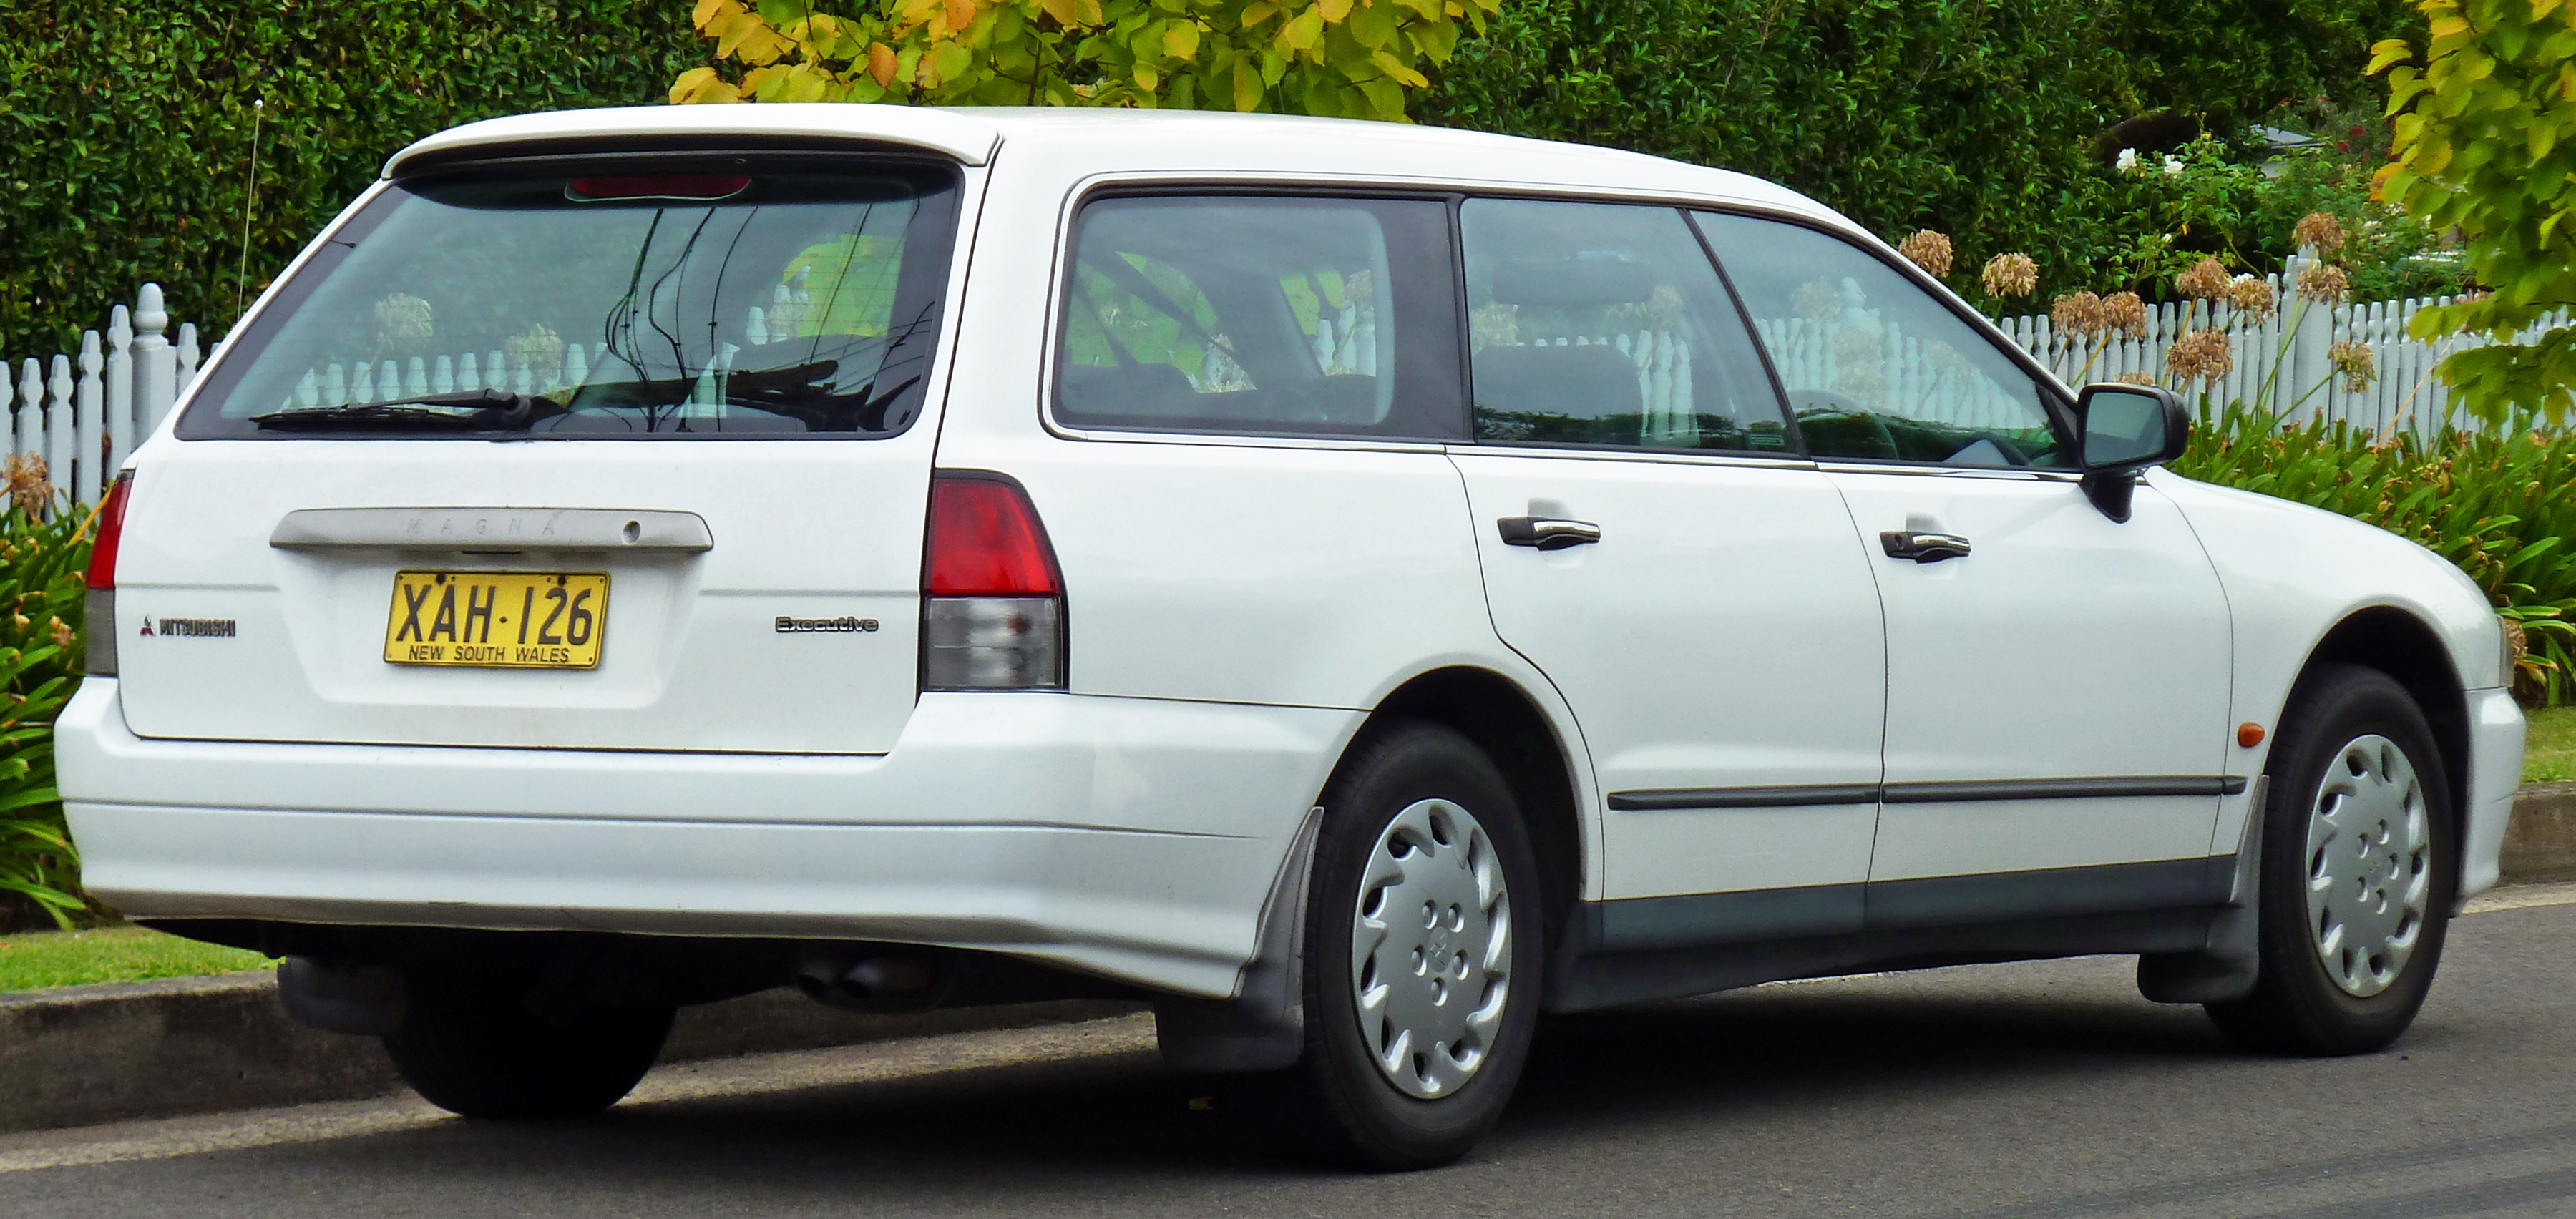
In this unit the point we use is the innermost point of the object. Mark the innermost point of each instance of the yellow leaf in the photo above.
(1397, 70)
(960, 14)
(1303, 31)
(1181, 42)
(881, 63)
(711, 15)
(751, 40)
(698, 86)
(1064, 12)
(1145, 78)
(1334, 11)
(2444, 27)
(1247, 86)
(1255, 14)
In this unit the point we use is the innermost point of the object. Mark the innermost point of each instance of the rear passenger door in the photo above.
(1653, 541)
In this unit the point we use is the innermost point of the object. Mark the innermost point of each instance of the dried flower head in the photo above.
(403, 322)
(2206, 280)
(2255, 298)
(2202, 355)
(2076, 313)
(2319, 231)
(2135, 378)
(2011, 275)
(1818, 299)
(1928, 250)
(2125, 313)
(2517, 642)
(2354, 363)
(24, 480)
(2324, 281)
(538, 349)
(59, 631)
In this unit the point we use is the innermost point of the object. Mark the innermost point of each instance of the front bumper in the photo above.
(2495, 773)
(1131, 838)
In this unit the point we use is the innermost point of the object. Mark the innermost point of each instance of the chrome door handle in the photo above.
(1547, 534)
(1923, 547)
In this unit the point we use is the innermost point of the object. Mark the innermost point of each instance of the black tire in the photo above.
(478, 1052)
(2296, 1006)
(1347, 1109)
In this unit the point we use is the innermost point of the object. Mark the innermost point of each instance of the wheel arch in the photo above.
(2408, 649)
(1493, 711)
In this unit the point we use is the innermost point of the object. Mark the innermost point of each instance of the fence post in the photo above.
(120, 387)
(187, 353)
(88, 445)
(58, 427)
(156, 366)
(30, 433)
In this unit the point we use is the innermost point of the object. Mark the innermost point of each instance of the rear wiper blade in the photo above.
(467, 410)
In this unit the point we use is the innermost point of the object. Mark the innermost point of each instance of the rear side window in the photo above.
(1606, 324)
(605, 299)
(1249, 314)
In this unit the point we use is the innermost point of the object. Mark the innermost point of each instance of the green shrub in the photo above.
(2495, 503)
(129, 128)
(41, 563)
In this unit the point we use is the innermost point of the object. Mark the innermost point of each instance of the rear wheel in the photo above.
(1423, 954)
(2358, 871)
(479, 1052)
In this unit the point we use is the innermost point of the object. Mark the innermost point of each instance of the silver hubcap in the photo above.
(2370, 848)
(1431, 949)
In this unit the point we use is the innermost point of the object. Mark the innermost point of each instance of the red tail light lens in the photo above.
(111, 531)
(985, 541)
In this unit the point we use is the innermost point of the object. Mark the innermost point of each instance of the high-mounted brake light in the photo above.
(703, 188)
(98, 607)
(992, 612)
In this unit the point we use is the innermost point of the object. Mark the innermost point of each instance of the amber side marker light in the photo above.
(2249, 734)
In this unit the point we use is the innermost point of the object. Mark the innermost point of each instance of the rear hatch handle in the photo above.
(493, 529)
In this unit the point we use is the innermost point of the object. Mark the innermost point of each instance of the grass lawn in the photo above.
(34, 959)
(2549, 755)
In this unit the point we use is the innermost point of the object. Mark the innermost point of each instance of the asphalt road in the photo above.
(2043, 1089)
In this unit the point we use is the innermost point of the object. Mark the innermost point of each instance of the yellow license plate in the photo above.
(498, 619)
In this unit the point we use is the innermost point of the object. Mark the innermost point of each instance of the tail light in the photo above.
(992, 614)
(98, 608)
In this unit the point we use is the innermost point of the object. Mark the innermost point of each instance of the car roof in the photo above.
(1103, 140)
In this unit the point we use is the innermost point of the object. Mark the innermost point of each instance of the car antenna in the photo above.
(241, 277)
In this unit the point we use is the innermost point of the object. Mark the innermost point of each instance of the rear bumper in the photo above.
(2495, 773)
(1130, 838)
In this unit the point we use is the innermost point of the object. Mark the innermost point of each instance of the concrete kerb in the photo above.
(85, 1055)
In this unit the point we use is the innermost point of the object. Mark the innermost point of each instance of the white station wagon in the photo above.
(1356, 586)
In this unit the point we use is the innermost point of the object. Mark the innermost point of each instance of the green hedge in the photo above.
(1986, 119)
(128, 127)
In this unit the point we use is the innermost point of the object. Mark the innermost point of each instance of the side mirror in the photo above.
(2123, 429)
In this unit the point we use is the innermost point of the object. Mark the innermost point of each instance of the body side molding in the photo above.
(2107, 787)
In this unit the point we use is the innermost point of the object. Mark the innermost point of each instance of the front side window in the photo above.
(1874, 367)
(1263, 315)
(633, 298)
(1605, 324)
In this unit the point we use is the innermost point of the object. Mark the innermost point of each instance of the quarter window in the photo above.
(1605, 324)
(1874, 367)
(1252, 314)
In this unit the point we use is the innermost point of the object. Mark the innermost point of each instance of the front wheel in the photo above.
(2357, 875)
(1424, 947)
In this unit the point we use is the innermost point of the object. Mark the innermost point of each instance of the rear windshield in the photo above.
(703, 297)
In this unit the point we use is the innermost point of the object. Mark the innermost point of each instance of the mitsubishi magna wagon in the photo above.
(1353, 586)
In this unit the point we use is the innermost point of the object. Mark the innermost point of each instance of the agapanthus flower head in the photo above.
(2202, 355)
(2253, 297)
(2124, 312)
(2076, 313)
(2135, 378)
(2324, 281)
(2206, 280)
(2011, 275)
(2354, 363)
(2320, 231)
(1928, 250)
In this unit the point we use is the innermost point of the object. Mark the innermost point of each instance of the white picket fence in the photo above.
(2282, 358)
(93, 408)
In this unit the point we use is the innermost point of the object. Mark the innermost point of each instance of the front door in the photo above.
(1693, 587)
(2057, 681)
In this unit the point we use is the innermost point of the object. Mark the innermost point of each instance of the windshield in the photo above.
(642, 298)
